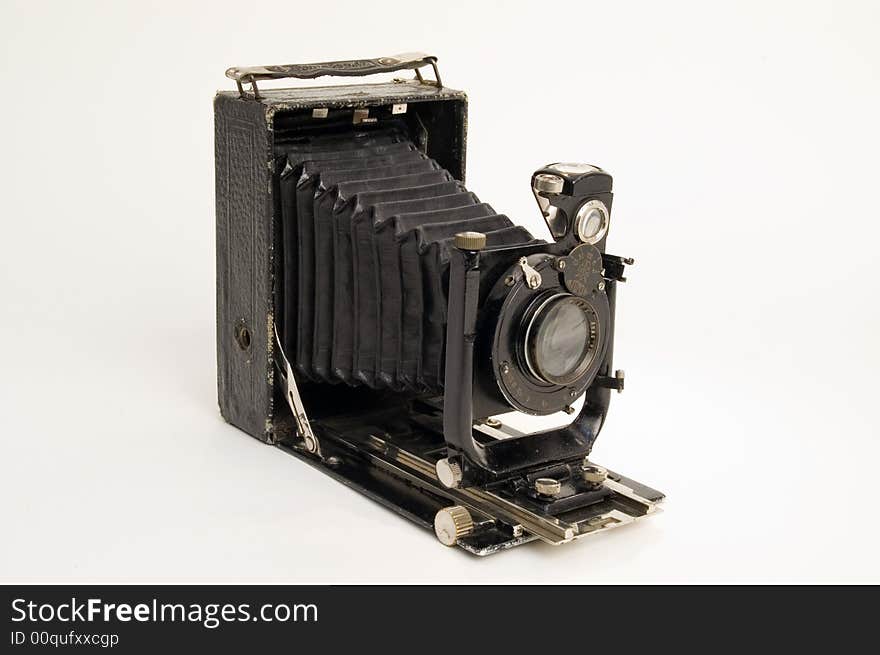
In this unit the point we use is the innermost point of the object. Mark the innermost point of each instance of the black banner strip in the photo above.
(151, 619)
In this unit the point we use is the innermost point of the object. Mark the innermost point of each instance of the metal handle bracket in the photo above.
(346, 68)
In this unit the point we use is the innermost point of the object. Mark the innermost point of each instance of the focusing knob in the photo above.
(453, 523)
(470, 241)
(448, 472)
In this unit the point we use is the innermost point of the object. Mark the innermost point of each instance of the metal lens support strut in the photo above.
(294, 400)
(468, 462)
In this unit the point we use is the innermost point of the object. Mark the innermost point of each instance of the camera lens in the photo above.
(592, 224)
(561, 339)
(592, 221)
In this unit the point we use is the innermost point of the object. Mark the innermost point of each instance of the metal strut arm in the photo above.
(291, 393)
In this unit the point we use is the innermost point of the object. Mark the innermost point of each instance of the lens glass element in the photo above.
(592, 224)
(591, 221)
(561, 339)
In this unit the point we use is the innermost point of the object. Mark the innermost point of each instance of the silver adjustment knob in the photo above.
(548, 487)
(547, 183)
(453, 523)
(449, 473)
(594, 474)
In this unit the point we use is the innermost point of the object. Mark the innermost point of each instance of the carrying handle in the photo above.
(348, 68)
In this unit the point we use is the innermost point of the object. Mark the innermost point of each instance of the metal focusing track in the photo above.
(549, 529)
(522, 522)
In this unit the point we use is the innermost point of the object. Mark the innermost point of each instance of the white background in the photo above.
(744, 144)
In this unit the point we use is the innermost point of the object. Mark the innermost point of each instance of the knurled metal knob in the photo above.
(449, 473)
(453, 523)
(547, 183)
(594, 474)
(548, 487)
(470, 241)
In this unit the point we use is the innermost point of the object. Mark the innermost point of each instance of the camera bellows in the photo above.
(368, 222)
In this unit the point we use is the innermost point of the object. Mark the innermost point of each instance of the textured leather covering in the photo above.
(244, 274)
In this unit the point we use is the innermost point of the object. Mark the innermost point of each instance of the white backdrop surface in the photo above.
(744, 144)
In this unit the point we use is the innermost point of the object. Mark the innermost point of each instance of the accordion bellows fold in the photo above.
(367, 224)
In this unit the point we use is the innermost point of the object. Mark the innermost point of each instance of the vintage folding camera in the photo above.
(378, 320)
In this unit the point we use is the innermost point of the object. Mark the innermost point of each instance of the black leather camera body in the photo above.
(377, 319)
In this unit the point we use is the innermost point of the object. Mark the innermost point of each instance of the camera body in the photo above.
(374, 317)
